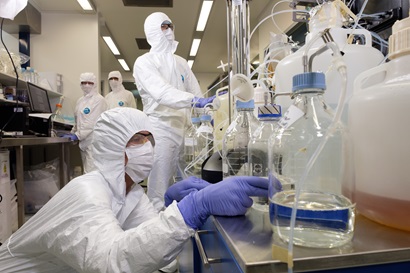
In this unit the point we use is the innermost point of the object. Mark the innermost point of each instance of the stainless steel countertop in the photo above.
(250, 239)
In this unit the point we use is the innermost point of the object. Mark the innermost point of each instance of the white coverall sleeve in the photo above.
(162, 92)
(132, 101)
(97, 244)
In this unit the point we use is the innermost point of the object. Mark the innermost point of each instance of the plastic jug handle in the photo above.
(365, 33)
(362, 81)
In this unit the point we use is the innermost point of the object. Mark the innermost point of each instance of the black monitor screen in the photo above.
(39, 102)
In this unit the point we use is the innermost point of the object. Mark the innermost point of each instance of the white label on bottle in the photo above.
(290, 117)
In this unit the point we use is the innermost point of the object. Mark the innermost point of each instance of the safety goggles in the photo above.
(167, 24)
(140, 138)
(87, 83)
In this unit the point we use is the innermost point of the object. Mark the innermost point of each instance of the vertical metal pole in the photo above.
(229, 35)
(20, 185)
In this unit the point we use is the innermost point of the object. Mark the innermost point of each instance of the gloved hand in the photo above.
(201, 102)
(229, 197)
(72, 137)
(182, 188)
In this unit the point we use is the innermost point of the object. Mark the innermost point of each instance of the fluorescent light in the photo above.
(111, 45)
(203, 16)
(194, 47)
(124, 64)
(190, 63)
(85, 4)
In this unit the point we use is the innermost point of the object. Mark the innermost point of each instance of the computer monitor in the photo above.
(39, 102)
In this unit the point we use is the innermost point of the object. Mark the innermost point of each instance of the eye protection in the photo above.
(113, 79)
(167, 24)
(87, 83)
(140, 139)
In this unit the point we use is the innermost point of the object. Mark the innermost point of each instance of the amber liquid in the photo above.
(386, 211)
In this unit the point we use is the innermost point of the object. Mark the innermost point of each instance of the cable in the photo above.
(17, 79)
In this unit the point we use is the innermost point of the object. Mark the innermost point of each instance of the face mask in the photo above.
(87, 88)
(169, 34)
(140, 160)
(114, 84)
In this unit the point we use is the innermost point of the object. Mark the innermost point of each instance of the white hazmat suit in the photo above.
(119, 96)
(92, 225)
(167, 87)
(87, 110)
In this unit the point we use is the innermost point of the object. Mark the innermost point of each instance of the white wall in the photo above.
(11, 41)
(68, 45)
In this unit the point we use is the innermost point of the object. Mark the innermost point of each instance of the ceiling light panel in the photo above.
(85, 5)
(195, 47)
(124, 64)
(110, 43)
(203, 16)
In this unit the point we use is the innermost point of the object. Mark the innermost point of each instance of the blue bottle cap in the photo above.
(309, 80)
(243, 105)
(270, 111)
(195, 120)
(206, 118)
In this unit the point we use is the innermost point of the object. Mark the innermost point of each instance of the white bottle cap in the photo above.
(399, 41)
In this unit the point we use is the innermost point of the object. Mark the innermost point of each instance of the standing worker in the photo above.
(119, 96)
(102, 221)
(168, 89)
(87, 111)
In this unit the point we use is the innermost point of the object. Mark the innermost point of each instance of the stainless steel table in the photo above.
(18, 144)
(248, 241)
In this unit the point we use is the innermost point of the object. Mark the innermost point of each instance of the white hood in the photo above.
(112, 131)
(155, 36)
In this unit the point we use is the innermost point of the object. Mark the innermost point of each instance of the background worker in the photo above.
(168, 89)
(87, 111)
(102, 221)
(119, 96)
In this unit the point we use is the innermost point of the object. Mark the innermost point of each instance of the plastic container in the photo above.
(236, 139)
(379, 125)
(221, 117)
(358, 57)
(258, 155)
(325, 218)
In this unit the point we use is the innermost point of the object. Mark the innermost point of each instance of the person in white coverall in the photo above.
(119, 96)
(102, 221)
(87, 110)
(168, 89)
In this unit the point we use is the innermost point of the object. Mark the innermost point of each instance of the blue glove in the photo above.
(229, 197)
(182, 188)
(201, 102)
(72, 137)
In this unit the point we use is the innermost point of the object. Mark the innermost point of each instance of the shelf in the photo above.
(7, 80)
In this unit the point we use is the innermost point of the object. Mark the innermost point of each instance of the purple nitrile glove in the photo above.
(182, 188)
(229, 197)
(72, 137)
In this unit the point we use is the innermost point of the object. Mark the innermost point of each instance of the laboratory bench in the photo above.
(18, 144)
(244, 245)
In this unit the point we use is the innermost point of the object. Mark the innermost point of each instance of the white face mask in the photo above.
(87, 88)
(114, 84)
(169, 34)
(140, 161)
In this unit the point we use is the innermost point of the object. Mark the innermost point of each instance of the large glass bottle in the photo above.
(191, 146)
(324, 217)
(236, 139)
(258, 154)
(205, 139)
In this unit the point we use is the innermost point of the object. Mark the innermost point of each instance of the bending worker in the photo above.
(87, 110)
(119, 96)
(103, 222)
(168, 89)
